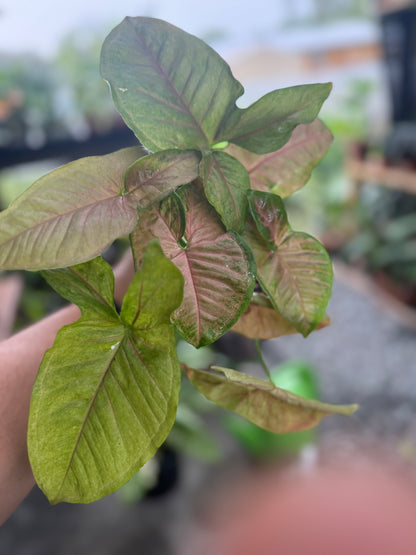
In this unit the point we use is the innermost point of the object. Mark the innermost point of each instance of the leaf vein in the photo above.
(169, 82)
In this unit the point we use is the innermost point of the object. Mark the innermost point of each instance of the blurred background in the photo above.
(360, 202)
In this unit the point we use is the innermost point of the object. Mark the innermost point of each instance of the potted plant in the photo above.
(201, 199)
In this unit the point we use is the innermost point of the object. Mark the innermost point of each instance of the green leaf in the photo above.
(218, 268)
(171, 88)
(155, 293)
(288, 169)
(154, 177)
(220, 145)
(89, 285)
(226, 183)
(261, 402)
(70, 215)
(293, 268)
(266, 125)
(106, 393)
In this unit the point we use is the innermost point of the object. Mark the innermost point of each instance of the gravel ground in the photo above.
(365, 356)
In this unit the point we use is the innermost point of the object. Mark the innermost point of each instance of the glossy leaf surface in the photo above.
(106, 393)
(218, 268)
(261, 402)
(293, 268)
(171, 88)
(226, 183)
(70, 215)
(266, 125)
(288, 169)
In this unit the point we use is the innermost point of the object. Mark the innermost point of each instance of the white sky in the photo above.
(38, 25)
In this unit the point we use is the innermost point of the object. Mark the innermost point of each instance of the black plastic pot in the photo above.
(399, 45)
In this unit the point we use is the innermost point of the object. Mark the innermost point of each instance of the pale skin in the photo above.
(20, 357)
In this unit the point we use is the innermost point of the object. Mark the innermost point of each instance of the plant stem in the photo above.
(261, 359)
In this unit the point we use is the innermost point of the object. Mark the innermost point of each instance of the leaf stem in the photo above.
(261, 359)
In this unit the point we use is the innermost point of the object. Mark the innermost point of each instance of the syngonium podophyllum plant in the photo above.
(201, 200)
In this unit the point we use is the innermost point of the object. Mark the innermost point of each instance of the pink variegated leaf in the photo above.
(217, 266)
(288, 169)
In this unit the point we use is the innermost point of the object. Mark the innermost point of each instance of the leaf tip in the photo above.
(348, 410)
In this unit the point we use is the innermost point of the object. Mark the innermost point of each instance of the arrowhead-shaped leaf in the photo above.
(106, 393)
(288, 169)
(171, 88)
(154, 177)
(70, 215)
(226, 183)
(262, 321)
(261, 402)
(293, 268)
(266, 125)
(218, 268)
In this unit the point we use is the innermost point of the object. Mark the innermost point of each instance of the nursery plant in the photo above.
(201, 199)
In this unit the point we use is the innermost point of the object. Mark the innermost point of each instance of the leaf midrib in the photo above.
(94, 290)
(183, 254)
(107, 369)
(61, 215)
(170, 83)
(269, 260)
(286, 238)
